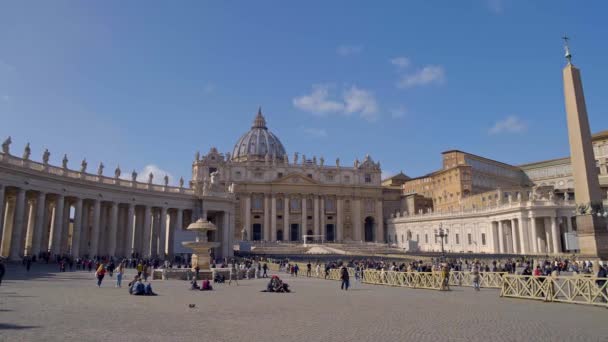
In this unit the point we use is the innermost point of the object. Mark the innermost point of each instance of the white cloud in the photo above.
(158, 173)
(348, 50)
(318, 101)
(425, 76)
(399, 112)
(354, 100)
(315, 132)
(496, 6)
(511, 124)
(401, 62)
(361, 101)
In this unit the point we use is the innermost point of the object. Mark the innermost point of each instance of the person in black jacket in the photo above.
(345, 278)
(602, 273)
(2, 269)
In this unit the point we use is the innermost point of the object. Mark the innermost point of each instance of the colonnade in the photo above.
(325, 216)
(34, 222)
(529, 235)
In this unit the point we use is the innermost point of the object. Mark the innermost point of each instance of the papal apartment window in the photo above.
(483, 239)
(470, 240)
(457, 239)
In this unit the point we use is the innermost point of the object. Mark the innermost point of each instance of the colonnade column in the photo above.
(18, 226)
(77, 227)
(129, 248)
(322, 217)
(113, 229)
(356, 220)
(147, 245)
(501, 237)
(534, 242)
(57, 225)
(95, 230)
(315, 215)
(339, 223)
(286, 230)
(164, 232)
(523, 235)
(304, 216)
(555, 235)
(37, 238)
(226, 232)
(5, 243)
(266, 236)
(547, 226)
(514, 235)
(273, 218)
(31, 221)
(247, 215)
(2, 194)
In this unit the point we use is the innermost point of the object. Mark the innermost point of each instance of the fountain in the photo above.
(202, 245)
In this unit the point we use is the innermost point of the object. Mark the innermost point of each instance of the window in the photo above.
(257, 203)
(280, 204)
(280, 175)
(330, 204)
(435, 238)
(417, 237)
(346, 179)
(294, 203)
(330, 177)
(457, 239)
(469, 239)
(426, 238)
(258, 175)
(212, 170)
(390, 238)
(237, 175)
(368, 178)
(309, 175)
(402, 238)
(483, 239)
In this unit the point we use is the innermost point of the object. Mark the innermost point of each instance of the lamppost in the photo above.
(441, 233)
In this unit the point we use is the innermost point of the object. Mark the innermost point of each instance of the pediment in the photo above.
(294, 179)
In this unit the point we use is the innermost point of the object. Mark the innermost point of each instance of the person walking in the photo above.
(100, 273)
(28, 264)
(308, 269)
(602, 274)
(345, 278)
(119, 273)
(296, 268)
(265, 268)
(475, 274)
(233, 273)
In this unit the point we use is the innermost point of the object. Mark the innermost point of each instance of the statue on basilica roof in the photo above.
(100, 169)
(83, 166)
(6, 145)
(27, 151)
(46, 155)
(64, 162)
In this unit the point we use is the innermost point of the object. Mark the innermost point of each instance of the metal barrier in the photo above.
(486, 279)
(416, 280)
(575, 290)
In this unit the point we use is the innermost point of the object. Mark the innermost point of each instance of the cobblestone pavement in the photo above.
(50, 306)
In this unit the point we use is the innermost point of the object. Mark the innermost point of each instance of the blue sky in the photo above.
(143, 83)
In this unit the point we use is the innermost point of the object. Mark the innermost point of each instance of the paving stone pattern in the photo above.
(48, 306)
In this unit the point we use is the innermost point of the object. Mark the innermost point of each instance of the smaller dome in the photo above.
(259, 142)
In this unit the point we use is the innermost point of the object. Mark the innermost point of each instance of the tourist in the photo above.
(140, 268)
(475, 274)
(148, 290)
(345, 277)
(265, 268)
(234, 273)
(308, 269)
(119, 272)
(100, 273)
(206, 286)
(28, 264)
(317, 270)
(296, 268)
(146, 270)
(602, 274)
(137, 287)
(445, 278)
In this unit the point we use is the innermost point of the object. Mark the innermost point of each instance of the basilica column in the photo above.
(315, 215)
(273, 218)
(501, 237)
(247, 215)
(514, 235)
(286, 227)
(304, 216)
(356, 219)
(164, 232)
(555, 236)
(2, 193)
(129, 245)
(57, 225)
(266, 236)
(40, 209)
(379, 235)
(77, 227)
(322, 217)
(339, 218)
(569, 222)
(534, 242)
(147, 243)
(112, 235)
(94, 238)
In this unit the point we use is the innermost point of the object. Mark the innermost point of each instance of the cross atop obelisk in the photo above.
(592, 235)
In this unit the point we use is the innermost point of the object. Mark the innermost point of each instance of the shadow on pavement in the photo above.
(8, 326)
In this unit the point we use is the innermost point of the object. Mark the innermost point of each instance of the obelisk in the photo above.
(592, 234)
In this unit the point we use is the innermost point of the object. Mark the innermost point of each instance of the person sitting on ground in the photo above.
(276, 285)
(138, 288)
(148, 290)
(206, 286)
(194, 285)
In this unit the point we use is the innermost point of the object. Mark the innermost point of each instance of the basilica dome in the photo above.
(258, 143)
